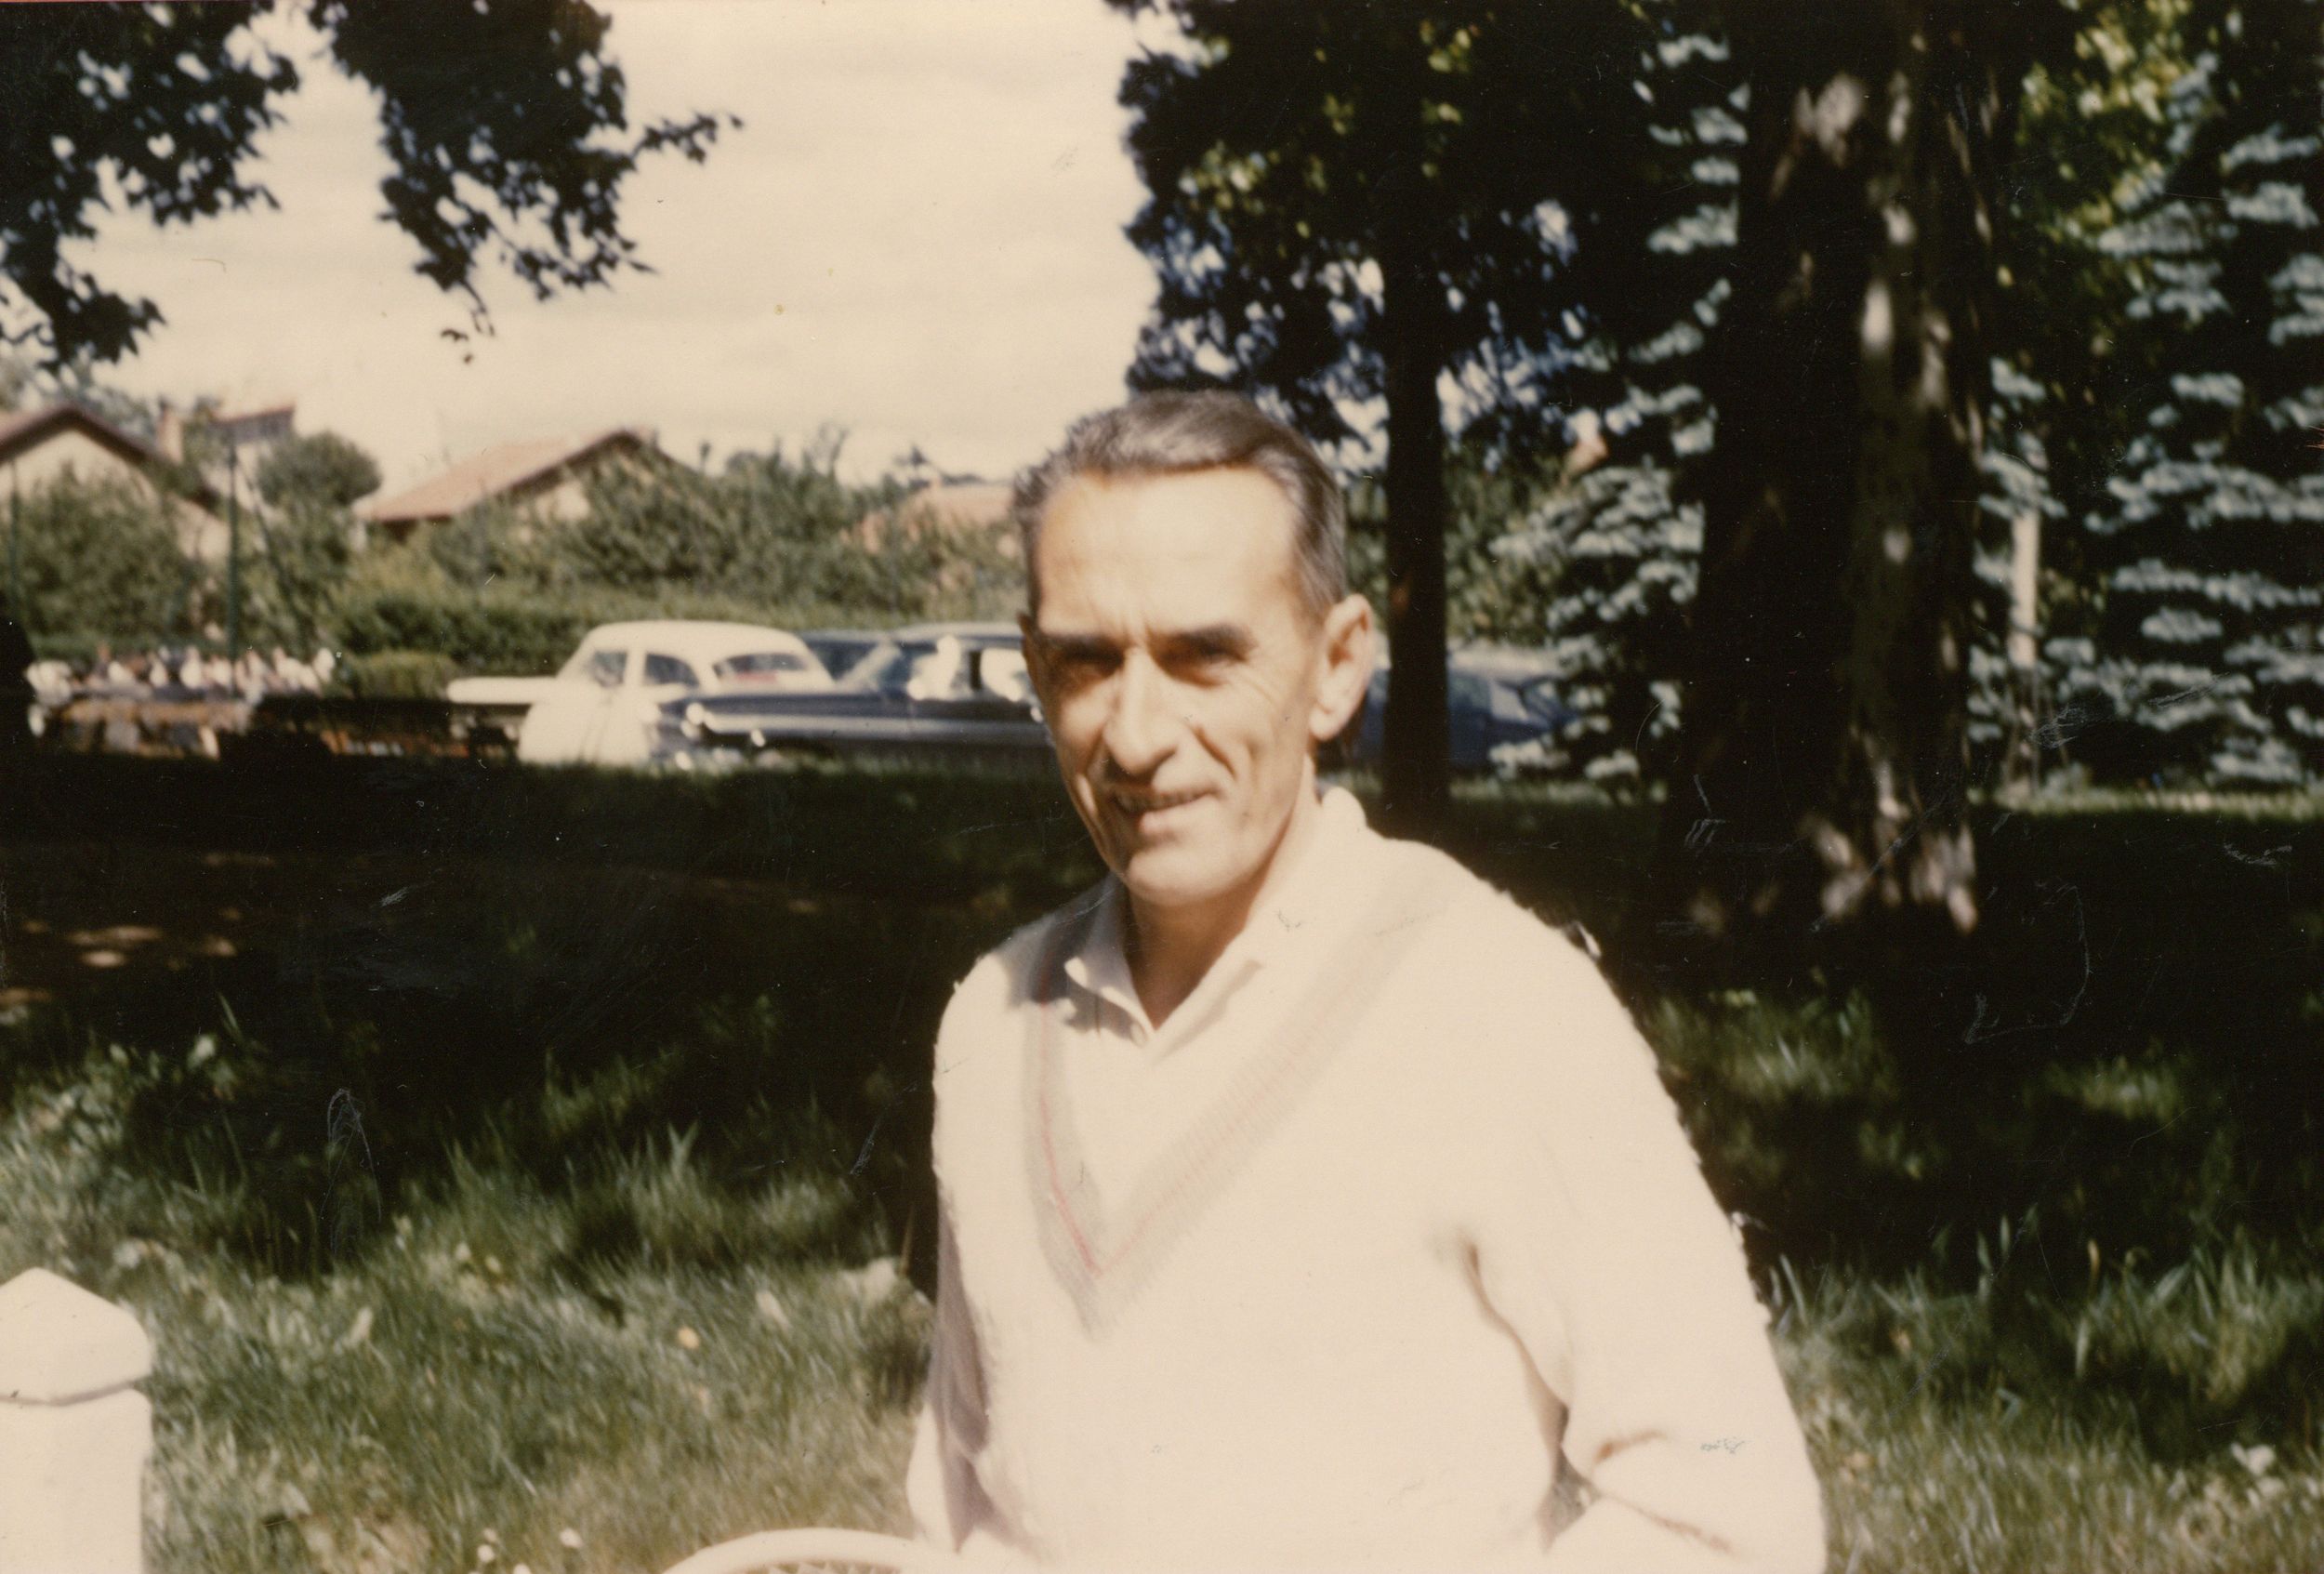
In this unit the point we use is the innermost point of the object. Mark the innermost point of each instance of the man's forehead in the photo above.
(1215, 538)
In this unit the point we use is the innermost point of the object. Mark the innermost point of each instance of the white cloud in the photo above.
(916, 235)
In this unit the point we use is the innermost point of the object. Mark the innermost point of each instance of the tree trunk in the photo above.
(1415, 736)
(1415, 742)
(1818, 806)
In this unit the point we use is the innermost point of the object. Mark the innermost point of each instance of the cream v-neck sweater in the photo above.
(1382, 1244)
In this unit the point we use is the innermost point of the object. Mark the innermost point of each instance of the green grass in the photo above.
(454, 1139)
(639, 1354)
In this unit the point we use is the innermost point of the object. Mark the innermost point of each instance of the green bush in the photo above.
(398, 674)
(102, 555)
(77, 647)
(476, 631)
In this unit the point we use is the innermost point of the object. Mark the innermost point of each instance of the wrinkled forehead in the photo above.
(1178, 550)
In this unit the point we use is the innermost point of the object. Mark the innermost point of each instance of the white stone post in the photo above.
(74, 1432)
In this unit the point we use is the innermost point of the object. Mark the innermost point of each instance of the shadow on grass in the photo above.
(756, 990)
(2080, 1160)
(2080, 1163)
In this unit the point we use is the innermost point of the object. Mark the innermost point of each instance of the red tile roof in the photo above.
(498, 472)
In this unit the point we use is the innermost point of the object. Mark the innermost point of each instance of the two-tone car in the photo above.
(931, 693)
(609, 703)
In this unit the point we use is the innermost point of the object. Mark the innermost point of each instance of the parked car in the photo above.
(841, 649)
(1501, 702)
(944, 691)
(606, 706)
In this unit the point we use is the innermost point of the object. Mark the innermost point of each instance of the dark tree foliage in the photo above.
(506, 123)
(2210, 642)
(2089, 131)
(320, 466)
(1355, 209)
(1650, 265)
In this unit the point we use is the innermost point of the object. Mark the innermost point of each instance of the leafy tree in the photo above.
(1355, 211)
(506, 121)
(291, 589)
(2210, 644)
(100, 558)
(318, 468)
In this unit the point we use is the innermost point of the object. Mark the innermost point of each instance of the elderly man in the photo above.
(1304, 1201)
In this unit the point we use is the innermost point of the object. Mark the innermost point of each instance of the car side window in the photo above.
(605, 668)
(1002, 672)
(757, 667)
(662, 669)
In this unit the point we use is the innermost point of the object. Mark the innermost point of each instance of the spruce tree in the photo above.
(1622, 531)
(2213, 541)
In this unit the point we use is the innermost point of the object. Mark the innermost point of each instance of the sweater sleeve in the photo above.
(940, 1485)
(1604, 1250)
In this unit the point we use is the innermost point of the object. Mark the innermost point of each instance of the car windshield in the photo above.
(759, 666)
(669, 670)
(601, 666)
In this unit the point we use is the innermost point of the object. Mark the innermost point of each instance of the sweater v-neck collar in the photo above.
(1327, 865)
(1106, 1253)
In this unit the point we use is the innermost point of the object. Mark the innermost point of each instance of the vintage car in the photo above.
(939, 692)
(841, 649)
(1503, 705)
(607, 705)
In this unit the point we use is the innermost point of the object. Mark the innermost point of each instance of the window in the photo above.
(885, 670)
(662, 670)
(605, 668)
(1002, 672)
(759, 667)
(938, 671)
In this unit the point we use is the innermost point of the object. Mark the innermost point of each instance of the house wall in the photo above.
(69, 451)
(564, 500)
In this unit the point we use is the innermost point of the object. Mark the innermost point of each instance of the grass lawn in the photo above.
(523, 1162)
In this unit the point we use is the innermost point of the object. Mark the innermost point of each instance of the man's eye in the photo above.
(1201, 661)
(1083, 667)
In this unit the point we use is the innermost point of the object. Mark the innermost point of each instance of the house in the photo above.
(228, 446)
(65, 440)
(547, 476)
(952, 508)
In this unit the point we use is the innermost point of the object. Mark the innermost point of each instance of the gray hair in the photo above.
(1172, 434)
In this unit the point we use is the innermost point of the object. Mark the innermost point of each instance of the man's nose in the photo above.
(1141, 726)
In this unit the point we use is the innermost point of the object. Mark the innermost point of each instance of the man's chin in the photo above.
(1164, 879)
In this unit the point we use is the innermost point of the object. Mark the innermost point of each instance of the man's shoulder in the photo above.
(1474, 929)
(1520, 1004)
(1007, 974)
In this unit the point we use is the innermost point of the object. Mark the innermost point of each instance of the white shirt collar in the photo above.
(1312, 888)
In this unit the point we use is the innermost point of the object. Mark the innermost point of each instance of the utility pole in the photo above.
(16, 549)
(233, 554)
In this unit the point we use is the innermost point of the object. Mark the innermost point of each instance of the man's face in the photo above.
(1184, 683)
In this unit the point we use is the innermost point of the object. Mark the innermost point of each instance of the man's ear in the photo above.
(1035, 654)
(1347, 647)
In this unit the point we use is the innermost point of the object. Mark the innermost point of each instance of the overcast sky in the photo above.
(916, 235)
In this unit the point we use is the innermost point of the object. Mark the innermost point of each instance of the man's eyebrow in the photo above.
(1076, 645)
(1216, 639)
